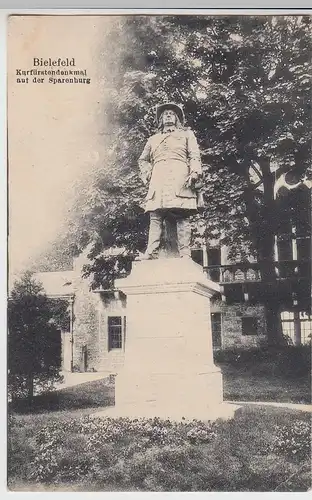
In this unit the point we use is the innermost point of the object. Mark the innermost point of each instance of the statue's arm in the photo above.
(193, 155)
(145, 163)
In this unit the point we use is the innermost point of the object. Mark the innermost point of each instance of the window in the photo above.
(114, 332)
(303, 326)
(249, 325)
(214, 259)
(306, 328)
(287, 316)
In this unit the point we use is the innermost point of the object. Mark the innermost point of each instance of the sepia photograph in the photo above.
(159, 252)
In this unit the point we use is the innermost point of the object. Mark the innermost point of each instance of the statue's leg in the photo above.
(184, 236)
(170, 236)
(155, 232)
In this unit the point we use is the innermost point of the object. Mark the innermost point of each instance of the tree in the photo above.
(261, 104)
(34, 348)
(245, 85)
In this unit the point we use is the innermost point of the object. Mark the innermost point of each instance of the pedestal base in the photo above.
(176, 396)
(222, 411)
(169, 370)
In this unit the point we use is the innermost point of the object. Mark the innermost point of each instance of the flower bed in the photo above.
(259, 450)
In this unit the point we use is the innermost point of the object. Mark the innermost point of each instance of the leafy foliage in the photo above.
(245, 87)
(34, 345)
(291, 362)
(293, 441)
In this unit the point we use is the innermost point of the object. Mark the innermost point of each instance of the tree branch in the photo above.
(281, 170)
(253, 166)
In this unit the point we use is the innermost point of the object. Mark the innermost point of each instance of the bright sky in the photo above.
(53, 136)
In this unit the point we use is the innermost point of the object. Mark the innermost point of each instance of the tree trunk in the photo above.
(274, 324)
(297, 328)
(30, 388)
(266, 257)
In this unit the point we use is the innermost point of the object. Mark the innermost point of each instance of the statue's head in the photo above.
(169, 114)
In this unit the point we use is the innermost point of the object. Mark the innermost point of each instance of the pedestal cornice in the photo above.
(168, 275)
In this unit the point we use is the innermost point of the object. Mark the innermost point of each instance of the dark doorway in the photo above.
(214, 260)
(216, 330)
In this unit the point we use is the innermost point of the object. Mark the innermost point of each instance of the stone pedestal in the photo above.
(169, 370)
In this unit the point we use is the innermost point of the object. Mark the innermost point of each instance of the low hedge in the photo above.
(286, 361)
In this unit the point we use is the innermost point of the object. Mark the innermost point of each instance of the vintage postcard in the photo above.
(159, 304)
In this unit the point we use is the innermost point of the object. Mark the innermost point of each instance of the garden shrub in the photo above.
(285, 361)
(294, 361)
(294, 440)
(57, 459)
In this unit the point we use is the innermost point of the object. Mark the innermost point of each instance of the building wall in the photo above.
(232, 325)
(92, 310)
(66, 351)
(85, 320)
(86, 327)
(111, 360)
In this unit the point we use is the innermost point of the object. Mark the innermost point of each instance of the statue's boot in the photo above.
(146, 256)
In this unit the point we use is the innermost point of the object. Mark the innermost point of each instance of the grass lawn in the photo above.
(261, 449)
(239, 384)
(243, 385)
(55, 446)
(94, 394)
(281, 375)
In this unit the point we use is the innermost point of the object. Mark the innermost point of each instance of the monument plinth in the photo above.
(169, 370)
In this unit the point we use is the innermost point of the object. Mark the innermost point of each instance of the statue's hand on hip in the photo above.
(190, 181)
(146, 178)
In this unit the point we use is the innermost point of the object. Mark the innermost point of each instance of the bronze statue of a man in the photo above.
(170, 163)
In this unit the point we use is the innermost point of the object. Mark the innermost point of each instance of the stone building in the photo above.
(97, 330)
(96, 336)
